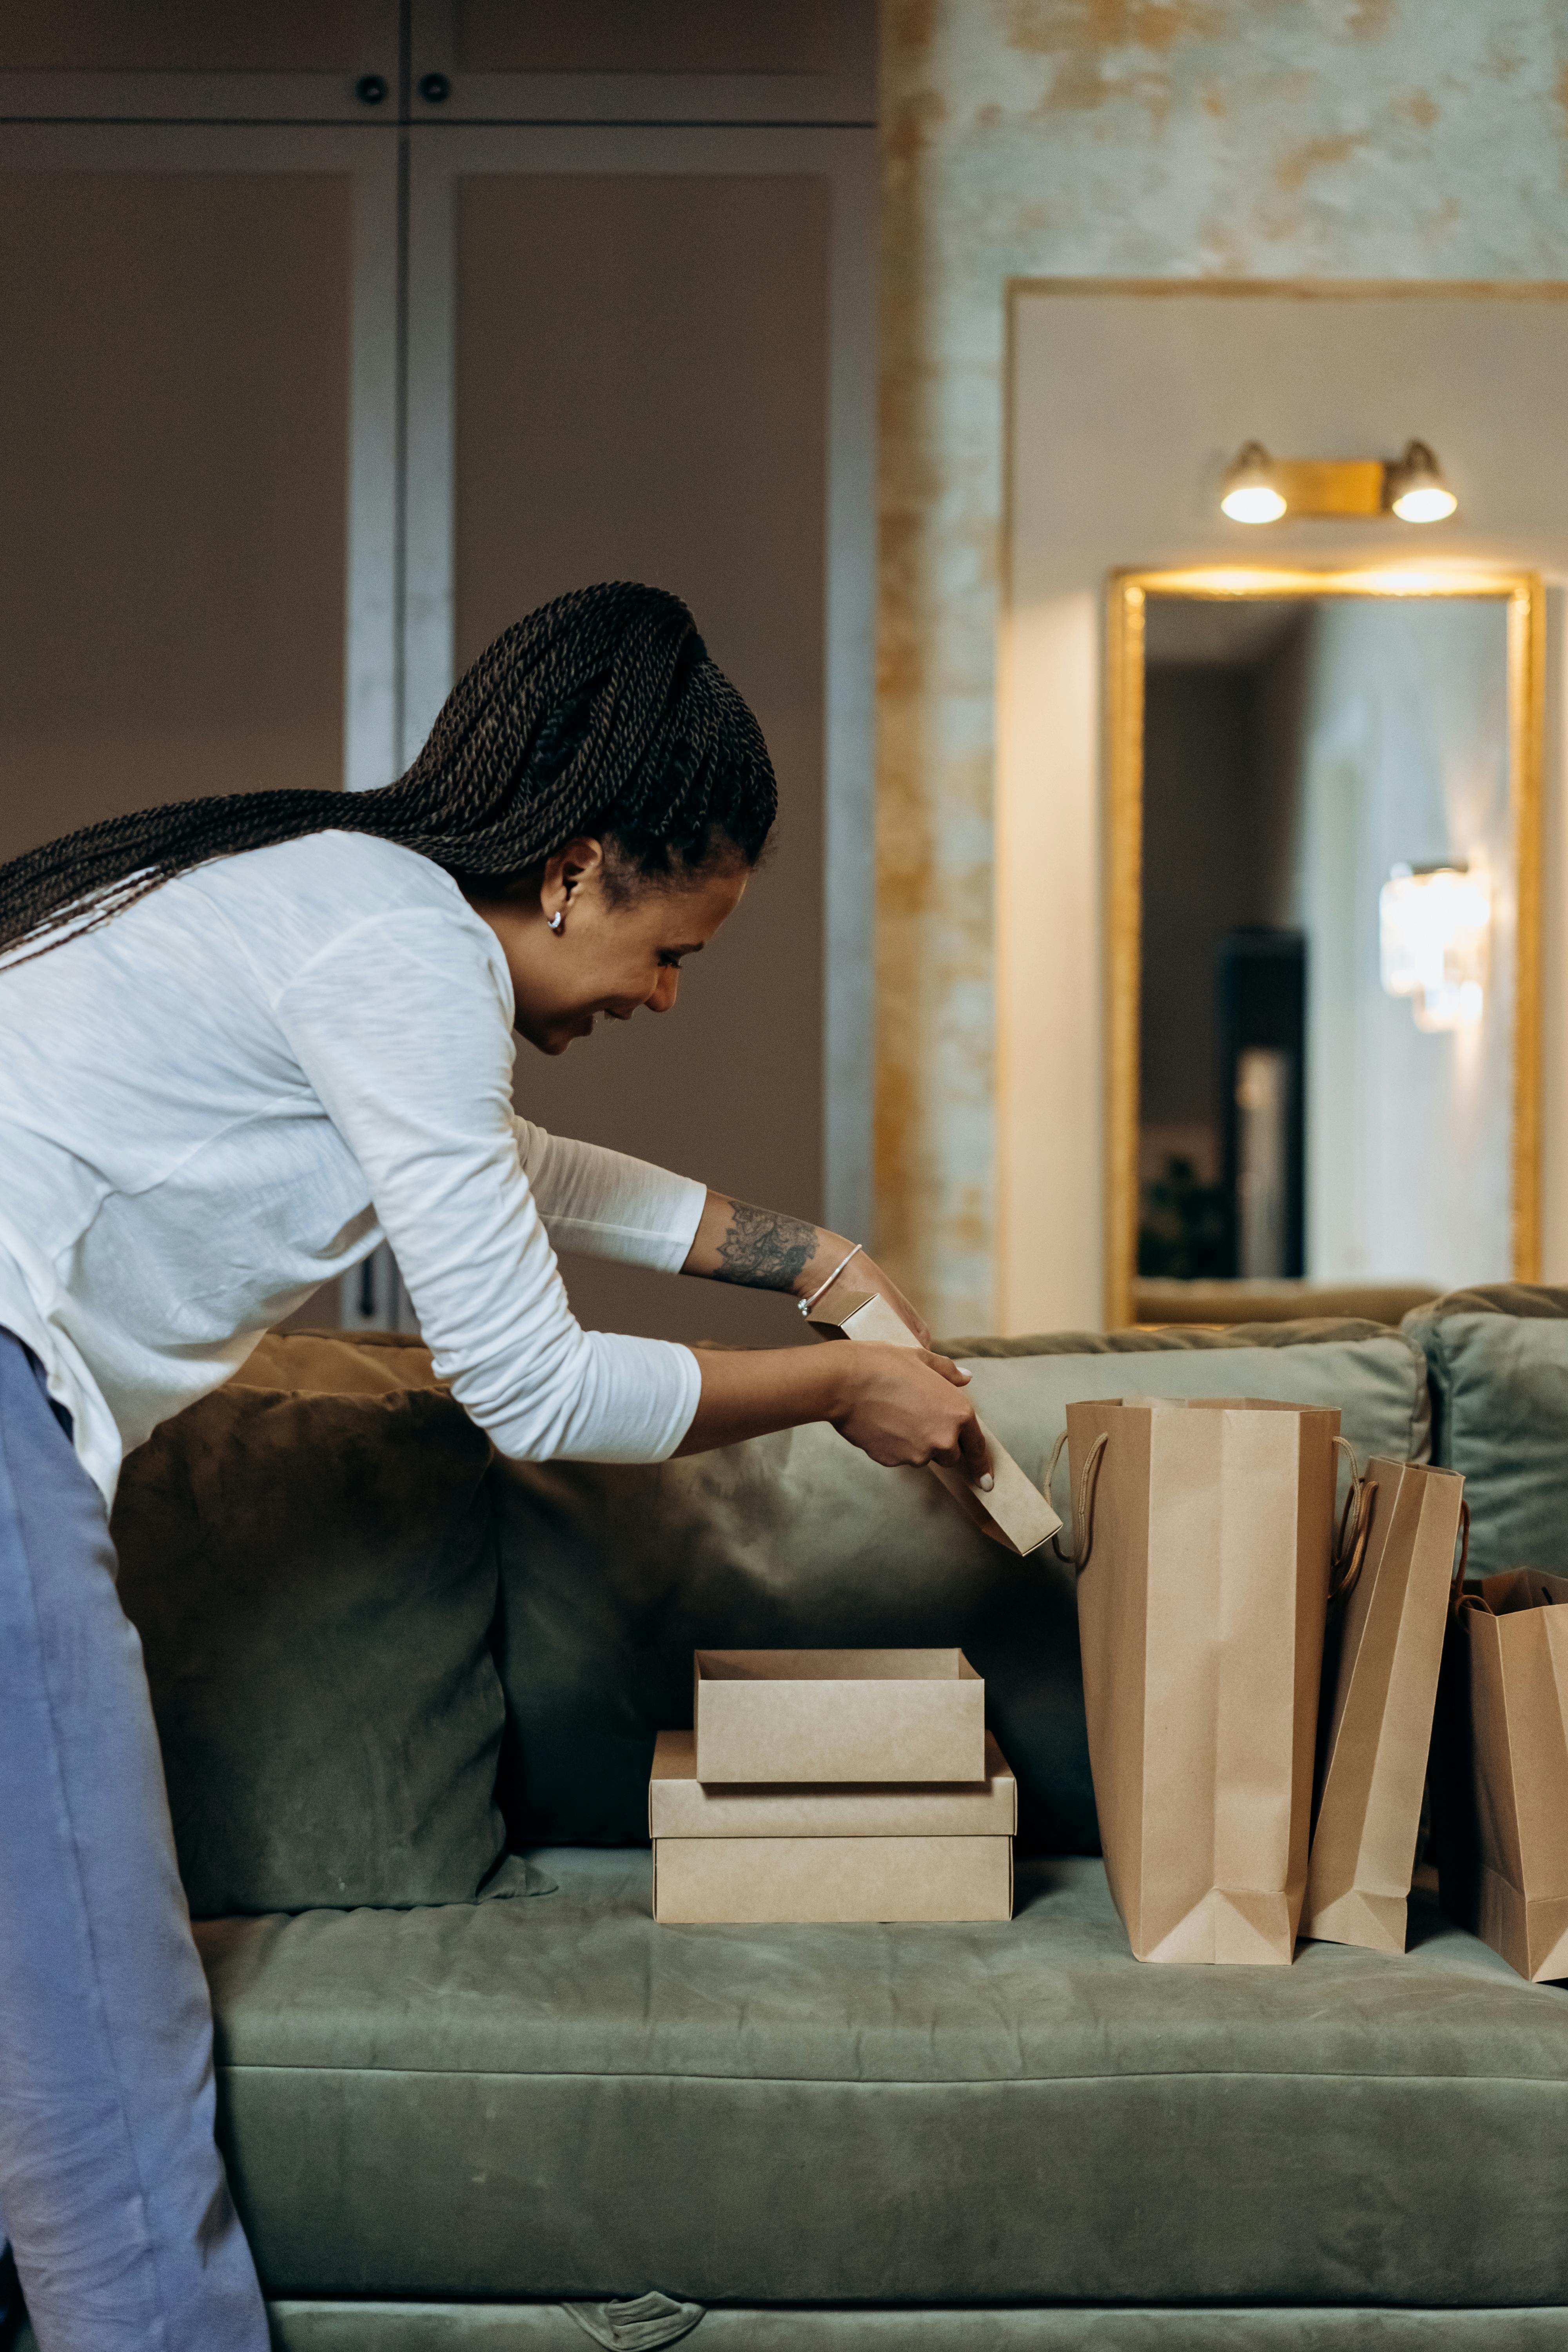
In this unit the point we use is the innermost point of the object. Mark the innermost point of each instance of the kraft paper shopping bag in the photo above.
(1509, 1638)
(1203, 1540)
(1382, 1656)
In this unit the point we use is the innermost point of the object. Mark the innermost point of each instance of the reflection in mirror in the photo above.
(1326, 1014)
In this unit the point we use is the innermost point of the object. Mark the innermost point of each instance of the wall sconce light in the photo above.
(1432, 927)
(1261, 488)
(1251, 493)
(1416, 489)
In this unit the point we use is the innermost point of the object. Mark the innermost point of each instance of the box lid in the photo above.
(680, 1805)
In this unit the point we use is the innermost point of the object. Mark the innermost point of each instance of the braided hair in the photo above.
(598, 714)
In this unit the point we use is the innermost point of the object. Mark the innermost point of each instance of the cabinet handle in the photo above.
(370, 90)
(435, 89)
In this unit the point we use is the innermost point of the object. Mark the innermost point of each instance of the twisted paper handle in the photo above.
(1350, 1548)
(1355, 1526)
(1456, 1593)
(1083, 1516)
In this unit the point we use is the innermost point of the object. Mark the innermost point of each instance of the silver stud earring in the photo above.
(557, 922)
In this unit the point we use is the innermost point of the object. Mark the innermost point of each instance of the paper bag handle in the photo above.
(1083, 1514)
(1355, 1526)
(1456, 1583)
(1350, 1548)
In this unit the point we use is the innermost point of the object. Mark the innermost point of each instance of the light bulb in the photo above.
(1425, 505)
(1416, 490)
(1253, 502)
(1251, 493)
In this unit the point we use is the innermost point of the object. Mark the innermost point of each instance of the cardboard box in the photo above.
(748, 1881)
(838, 1714)
(680, 1805)
(1014, 1511)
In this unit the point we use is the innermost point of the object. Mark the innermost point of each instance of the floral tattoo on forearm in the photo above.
(763, 1250)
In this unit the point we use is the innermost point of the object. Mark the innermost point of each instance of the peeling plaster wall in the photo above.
(1420, 138)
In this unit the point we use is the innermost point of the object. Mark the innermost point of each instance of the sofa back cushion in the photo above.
(611, 1576)
(313, 1578)
(1499, 1365)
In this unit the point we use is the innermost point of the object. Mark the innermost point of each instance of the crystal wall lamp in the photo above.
(1432, 927)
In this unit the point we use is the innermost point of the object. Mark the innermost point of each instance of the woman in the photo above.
(242, 1040)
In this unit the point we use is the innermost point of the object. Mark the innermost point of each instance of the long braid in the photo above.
(600, 713)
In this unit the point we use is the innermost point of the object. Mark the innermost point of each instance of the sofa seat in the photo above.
(552, 2097)
(308, 2327)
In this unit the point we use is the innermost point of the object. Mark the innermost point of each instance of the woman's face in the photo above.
(606, 954)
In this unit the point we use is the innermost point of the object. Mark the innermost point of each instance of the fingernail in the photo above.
(987, 1483)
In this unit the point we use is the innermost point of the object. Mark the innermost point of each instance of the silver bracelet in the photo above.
(807, 1304)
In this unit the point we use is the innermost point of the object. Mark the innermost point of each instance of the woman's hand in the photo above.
(899, 1405)
(906, 1405)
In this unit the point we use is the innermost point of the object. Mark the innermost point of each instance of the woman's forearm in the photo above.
(751, 1391)
(899, 1405)
(761, 1248)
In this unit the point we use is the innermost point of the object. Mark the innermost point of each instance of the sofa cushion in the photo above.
(612, 1577)
(339, 1363)
(1499, 1365)
(332, 2326)
(313, 1578)
(558, 2098)
(1164, 1338)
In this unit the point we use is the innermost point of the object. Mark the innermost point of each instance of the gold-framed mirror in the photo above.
(1323, 923)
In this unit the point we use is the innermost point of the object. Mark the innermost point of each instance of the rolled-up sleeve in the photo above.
(402, 1028)
(602, 1204)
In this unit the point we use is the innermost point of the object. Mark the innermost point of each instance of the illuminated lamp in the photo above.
(1433, 928)
(1416, 489)
(1251, 493)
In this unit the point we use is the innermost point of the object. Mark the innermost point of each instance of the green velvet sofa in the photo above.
(471, 2097)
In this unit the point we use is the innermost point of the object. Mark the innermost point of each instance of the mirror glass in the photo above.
(1326, 1011)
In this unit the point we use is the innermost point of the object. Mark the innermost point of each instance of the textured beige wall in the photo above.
(1275, 138)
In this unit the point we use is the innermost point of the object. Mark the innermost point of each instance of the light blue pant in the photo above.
(111, 2190)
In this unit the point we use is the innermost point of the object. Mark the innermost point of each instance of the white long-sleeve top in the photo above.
(233, 1091)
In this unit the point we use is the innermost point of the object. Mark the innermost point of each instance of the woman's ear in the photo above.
(581, 861)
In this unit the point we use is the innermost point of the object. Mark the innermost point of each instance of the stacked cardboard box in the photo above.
(832, 1785)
